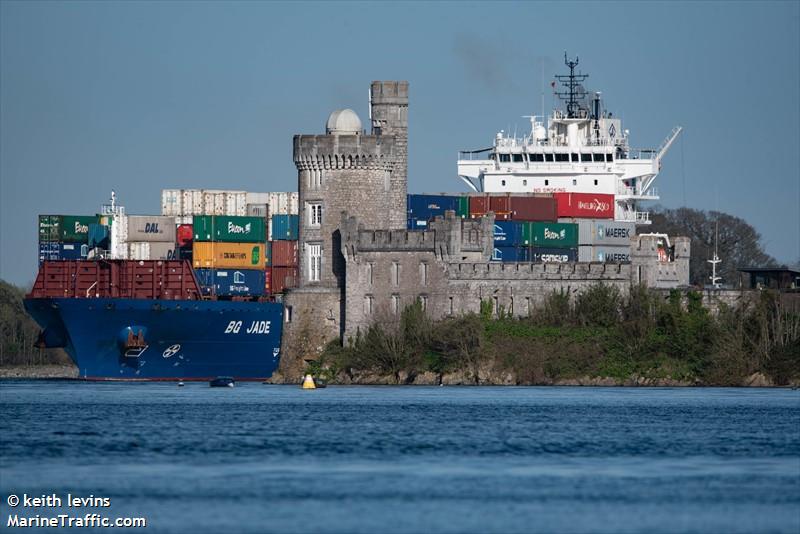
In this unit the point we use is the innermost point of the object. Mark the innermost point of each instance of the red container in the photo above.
(500, 203)
(268, 280)
(148, 279)
(284, 254)
(585, 205)
(184, 235)
(478, 206)
(283, 277)
(528, 208)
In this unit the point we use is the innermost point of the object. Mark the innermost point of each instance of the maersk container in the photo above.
(151, 228)
(550, 234)
(284, 227)
(151, 250)
(511, 254)
(223, 255)
(532, 208)
(508, 234)
(605, 232)
(553, 255)
(604, 254)
(426, 207)
(62, 251)
(229, 229)
(231, 282)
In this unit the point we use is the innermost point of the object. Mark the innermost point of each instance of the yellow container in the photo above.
(219, 255)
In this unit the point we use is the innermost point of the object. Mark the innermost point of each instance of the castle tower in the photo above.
(389, 115)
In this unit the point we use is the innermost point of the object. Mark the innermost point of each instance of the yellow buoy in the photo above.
(308, 382)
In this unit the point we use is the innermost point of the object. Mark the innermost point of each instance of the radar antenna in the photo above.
(575, 91)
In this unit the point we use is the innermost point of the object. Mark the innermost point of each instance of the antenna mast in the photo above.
(714, 278)
(575, 91)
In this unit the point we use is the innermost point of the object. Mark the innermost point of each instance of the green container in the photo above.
(463, 207)
(546, 234)
(229, 228)
(66, 228)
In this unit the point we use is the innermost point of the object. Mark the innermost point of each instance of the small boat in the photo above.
(222, 382)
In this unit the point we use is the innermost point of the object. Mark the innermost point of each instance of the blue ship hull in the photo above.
(182, 339)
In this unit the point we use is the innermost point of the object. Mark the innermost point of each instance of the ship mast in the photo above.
(575, 90)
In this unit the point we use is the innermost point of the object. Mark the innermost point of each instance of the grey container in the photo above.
(605, 232)
(151, 228)
(258, 210)
(603, 254)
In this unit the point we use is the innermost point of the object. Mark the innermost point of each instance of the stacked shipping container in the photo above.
(64, 237)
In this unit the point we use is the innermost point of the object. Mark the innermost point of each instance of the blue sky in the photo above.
(140, 96)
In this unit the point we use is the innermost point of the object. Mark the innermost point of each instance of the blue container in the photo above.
(426, 207)
(553, 255)
(511, 254)
(99, 236)
(55, 251)
(508, 234)
(285, 227)
(231, 282)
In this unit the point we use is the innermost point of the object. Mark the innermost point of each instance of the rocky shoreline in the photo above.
(50, 372)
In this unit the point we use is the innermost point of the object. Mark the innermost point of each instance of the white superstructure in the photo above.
(583, 149)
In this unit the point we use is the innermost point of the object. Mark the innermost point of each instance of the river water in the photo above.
(266, 458)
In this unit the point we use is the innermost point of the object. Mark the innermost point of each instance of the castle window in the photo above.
(314, 262)
(395, 273)
(370, 269)
(528, 306)
(395, 304)
(367, 304)
(423, 302)
(314, 211)
(423, 273)
(452, 308)
(287, 314)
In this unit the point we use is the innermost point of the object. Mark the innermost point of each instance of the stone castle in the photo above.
(358, 262)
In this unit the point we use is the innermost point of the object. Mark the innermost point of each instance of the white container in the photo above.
(171, 202)
(283, 203)
(258, 210)
(143, 250)
(257, 198)
(151, 228)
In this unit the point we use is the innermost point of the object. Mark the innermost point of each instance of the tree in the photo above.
(738, 245)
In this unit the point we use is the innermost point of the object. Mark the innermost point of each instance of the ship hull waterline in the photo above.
(189, 340)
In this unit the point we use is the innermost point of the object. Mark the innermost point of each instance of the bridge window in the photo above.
(517, 158)
(574, 157)
(595, 182)
(609, 157)
(505, 158)
(598, 157)
(547, 182)
(586, 157)
(562, 157)
(536, 157)
(503, 183)
(548, 157)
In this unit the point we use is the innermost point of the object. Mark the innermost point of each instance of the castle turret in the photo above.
(389, 114)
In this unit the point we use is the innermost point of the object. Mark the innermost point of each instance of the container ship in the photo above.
(188, 295)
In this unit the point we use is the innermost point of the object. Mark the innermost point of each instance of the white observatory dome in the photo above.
(343, 122)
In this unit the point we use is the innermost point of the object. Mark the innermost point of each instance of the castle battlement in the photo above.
(538, 271)
(337, 152)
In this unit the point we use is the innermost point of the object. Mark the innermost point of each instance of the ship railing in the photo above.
(631, 191)
(639, 217)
